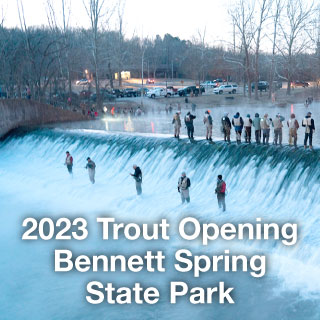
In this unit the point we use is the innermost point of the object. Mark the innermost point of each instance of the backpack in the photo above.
(223, 187)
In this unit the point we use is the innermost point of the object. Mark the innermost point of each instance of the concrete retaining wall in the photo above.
(20, 112)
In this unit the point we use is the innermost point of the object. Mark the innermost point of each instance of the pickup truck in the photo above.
(159, 92)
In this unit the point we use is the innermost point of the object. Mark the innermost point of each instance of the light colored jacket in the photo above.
(247, 122)
(277, 122)
(265, 123)
(176, 120)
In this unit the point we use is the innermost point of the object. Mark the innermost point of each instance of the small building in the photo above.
(125, 75)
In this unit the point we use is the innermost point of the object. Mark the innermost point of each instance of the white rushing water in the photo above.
(277, 185)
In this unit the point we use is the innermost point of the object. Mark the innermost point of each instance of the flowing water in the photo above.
(276, 184)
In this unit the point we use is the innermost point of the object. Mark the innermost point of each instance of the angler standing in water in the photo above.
(207, 120)
(265, 126)
(226, 127)
(237, 122)
(177, 124)
(257, 127)
(247, 128)
(69, 162)
(137, 175)
(308, 123)
(188, 120)
(293, 129)
(91, 167)
(277, 124)
(221, 193)
(183, 187)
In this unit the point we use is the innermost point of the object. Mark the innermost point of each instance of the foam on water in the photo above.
(276, 184)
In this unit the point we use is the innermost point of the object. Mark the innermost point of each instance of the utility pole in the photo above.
(142, 61)
(172, 70)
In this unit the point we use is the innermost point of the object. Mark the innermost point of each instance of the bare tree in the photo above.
(63, 28)
(121, 52)
(277, 9)
(242, 14)
(264, 9)
(293, 38)
(97, 10)
(42, 54)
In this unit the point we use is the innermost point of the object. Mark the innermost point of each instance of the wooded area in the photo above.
(47, 59)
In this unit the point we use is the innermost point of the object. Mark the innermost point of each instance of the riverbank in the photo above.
(16, 113)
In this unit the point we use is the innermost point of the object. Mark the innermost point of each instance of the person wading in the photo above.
(183, 187)
(293, 126)
(188, 120)
(176, 121)
(308, 123)
(247, 128)
(226, 127)
(277, 124)
(91, 167)
(265, 126)
(207, 120)
(69, 162)
(257, 127)
(237, 122)
(221, 193)
(137, 176)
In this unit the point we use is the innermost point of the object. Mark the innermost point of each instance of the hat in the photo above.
(309, 113)
(88, 158)
(257, 115)
(183, 173)
(248, 115)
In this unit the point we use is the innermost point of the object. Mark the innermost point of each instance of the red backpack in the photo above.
(223, 187)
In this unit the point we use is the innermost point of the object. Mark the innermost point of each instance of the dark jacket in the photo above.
(226, 123)
(188, 120)
(137, 174)
(90, 165)
(180, 182)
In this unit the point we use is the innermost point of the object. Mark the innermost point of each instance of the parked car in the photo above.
(82, 82)
(173, 89)
(85, 94)
(139, 91)
(130, 92)
(209, 84)
(160, 92)
(118, 93)
(105, 95)
(262, 85)
(190, 89)
(277, 85)
(299, 83)
(150, 81)
(226, 88)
